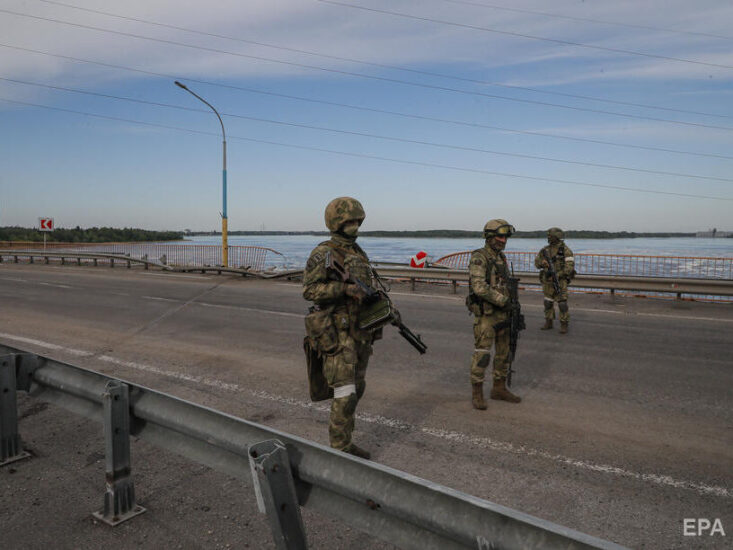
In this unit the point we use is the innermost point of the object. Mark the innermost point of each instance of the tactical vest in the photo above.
(475, 304)
(560, 256)
(491, 266)
(356, 262)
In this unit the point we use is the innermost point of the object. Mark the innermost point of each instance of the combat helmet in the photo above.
(342, 210)
(556, 232)
(498, 228)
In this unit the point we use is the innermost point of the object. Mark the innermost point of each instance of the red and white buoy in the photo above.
(419, 259)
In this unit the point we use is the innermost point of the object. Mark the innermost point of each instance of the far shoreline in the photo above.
(458, 234)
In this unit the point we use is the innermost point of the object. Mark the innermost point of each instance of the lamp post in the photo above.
(224, 245)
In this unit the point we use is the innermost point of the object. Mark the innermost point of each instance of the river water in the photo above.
(296, 248)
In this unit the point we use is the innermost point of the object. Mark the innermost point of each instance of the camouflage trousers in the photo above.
(345, 372)
(561, 298)
(484, 337)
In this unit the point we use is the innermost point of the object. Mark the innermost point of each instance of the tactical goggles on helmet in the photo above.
(505, 230)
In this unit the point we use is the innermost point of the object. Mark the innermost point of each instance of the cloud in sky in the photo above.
(76, 163)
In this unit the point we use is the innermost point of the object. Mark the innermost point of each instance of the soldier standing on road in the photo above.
(344, 347)
(564, 264)
(488, 300)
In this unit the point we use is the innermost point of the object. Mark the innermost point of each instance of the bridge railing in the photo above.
(256, 258)
(285, 470)
(625, 265)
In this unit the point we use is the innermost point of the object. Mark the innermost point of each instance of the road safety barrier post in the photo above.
(11, 448)
(119, 497)
(276, 496)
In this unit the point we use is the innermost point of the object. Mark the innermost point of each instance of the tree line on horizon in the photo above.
(129, 234)
(88, 235)
(461, 234)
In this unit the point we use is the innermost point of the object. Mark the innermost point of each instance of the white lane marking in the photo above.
(438, 296)
(54, 285)
(447, 435)
(270, 311)
(688, 318)
(540, 306)
(15, 279)
(159, 298)
(176, 275)
(224, 306)
(47, 345)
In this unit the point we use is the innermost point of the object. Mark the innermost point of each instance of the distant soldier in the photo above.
(332, 323)
(488, 300)
(557, 268)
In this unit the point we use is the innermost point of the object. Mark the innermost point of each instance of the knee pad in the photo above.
(484, 360)
(563, 306)
(549, 304)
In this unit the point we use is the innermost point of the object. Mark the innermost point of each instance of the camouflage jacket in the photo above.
(562, 259)
(488, 276)
(320, 287)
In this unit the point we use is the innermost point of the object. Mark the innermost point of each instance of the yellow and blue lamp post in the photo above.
(224, 244)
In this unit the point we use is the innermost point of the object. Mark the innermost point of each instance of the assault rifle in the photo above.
(515, 321)
(551, 270)
(378, 309)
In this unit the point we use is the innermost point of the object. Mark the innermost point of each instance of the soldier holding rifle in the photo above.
(346, 319)
(493, 301)
(557, 268)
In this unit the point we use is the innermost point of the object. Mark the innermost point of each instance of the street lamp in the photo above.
(224, 246)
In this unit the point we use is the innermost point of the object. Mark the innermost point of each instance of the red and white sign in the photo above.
(419, 259)
(45, 224)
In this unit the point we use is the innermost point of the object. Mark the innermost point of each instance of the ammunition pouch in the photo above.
(376, 314)
(474, 305)
(321, 330)
(317, 383)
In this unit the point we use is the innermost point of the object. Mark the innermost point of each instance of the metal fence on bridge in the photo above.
(618, 264)
(256, 258)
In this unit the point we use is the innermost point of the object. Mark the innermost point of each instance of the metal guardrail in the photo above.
(713, 287)
(96, 257)
(253, 258)
(678, 286)
(628, 265)
(388, 504)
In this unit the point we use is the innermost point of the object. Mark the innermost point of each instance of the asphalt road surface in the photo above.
(625, 429)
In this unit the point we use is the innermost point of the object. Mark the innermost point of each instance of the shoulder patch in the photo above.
(314, 260)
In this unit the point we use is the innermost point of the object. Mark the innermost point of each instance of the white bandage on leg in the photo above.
(344, 391)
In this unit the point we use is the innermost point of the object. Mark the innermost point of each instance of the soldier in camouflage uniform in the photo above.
(564, 263)
(346, 357)
(488, 300)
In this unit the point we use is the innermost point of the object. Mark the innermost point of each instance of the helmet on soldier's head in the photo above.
(342, 210)
(498, 228)
(556, 232)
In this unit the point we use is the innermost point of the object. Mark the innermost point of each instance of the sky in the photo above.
(435, 114)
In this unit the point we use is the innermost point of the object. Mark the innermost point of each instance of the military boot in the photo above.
(547, 325)
(563, 327)
(502, 393)
(358, 451)
(478, 397)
